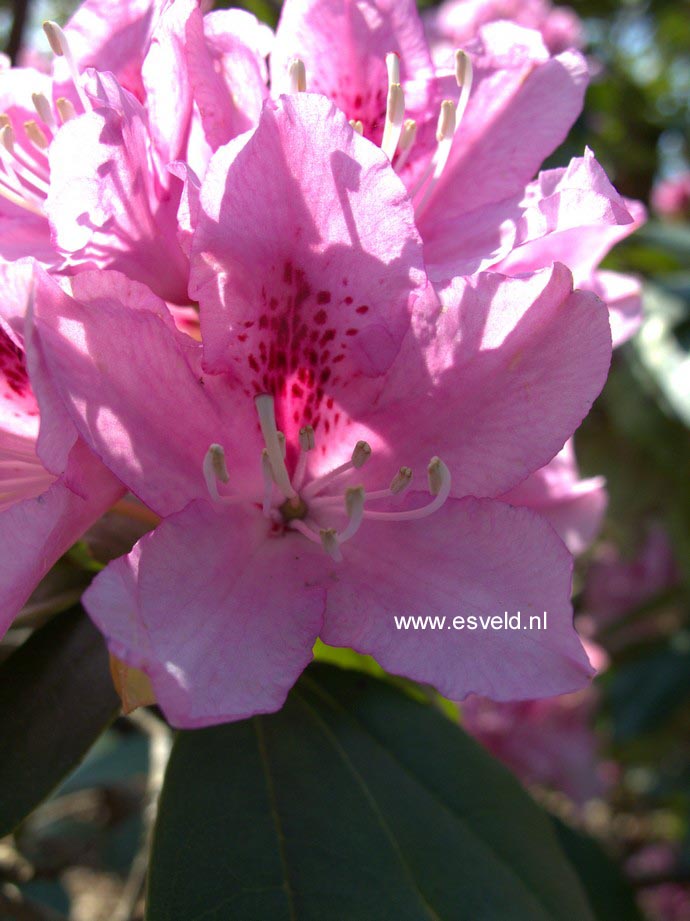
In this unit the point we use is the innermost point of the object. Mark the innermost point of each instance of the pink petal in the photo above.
(226, 53)
(221, 616)
(40, 529)
(574, 507)
(571, 215)
(343, 45)
(166, 81)
(134, 388)
(622, 294)
(512, 370)
(472, 558)
(114, 35)
(306, 282)
(105, 206)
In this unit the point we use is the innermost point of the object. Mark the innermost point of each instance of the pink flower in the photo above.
(467, 140)
(41, 514)
(328, 365)
(456, 22)
(671, 197)
(551, 743)
(84, 178)
(574, 507)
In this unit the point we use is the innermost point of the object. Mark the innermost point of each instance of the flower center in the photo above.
(24, 168)
(322, 509)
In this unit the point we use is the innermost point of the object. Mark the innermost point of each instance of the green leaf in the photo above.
(56, 697)
(353, 802)
(609, 894)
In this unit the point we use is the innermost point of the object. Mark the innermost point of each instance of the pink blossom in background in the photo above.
(475, 204)
(575, 507)
(550, 743)
(671, 197)
(313, 296)
(455, 22)
(616, 586)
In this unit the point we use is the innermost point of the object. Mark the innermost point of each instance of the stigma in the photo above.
(329, 509)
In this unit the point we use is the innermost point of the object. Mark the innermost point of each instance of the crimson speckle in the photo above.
(323, 297)
(363, 308)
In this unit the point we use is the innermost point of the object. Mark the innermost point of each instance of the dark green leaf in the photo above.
(353, 802)
(609, 894)
(56, 697)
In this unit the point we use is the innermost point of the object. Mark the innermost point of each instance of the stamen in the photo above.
(66, 110)
(297, 74)
(303, 528)
(395, 107)
(354, 506)
(407, 139)
(44, 109)
(360, 455)
(60, 46)
(329, 542)
(215, 470)
(267, 474)
(307, 439)
(464, 75)
(307, 443)
(401, 481)
(439, 487)
(357, 125)
(36, 135)
(267, 421)
(283, 444)
(444, 138)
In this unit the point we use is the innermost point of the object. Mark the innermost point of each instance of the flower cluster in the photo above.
(302, 296)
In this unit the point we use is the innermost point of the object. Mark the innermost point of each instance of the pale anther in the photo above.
(43, 108)
(361, 454)
(446, 121)
(401, 480)
(297, 74)
(306, 438)
(60, 46)
(7, 137)
(395, 115)
(215, 469)
(463, 76)
(54, 34)
(357, 125)
(329, 542)
(407, 139)
(36, 135)
(354, 506)
(438, 475)
(66, 110)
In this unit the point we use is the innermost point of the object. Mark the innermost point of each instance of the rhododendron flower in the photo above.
(41, 514)
(286, 452)
(575, 507)
(84, 178)
(456, 22)
(671, 197)
(468, 140)
(551, 742)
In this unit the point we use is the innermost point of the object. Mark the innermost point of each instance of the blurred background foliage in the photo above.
(637, 121)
